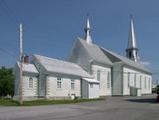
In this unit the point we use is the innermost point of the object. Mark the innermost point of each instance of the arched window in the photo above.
(30, 82)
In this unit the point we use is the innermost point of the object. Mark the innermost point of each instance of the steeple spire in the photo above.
(132, 50)
(88, 32)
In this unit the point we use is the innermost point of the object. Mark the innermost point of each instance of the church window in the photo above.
(135, 77)
(72, 84)
(140, 81)
(108, 80)
(30, 82)
(58, 82)
(145, 82)
(98, 75)
(149, 83)
(128, 79)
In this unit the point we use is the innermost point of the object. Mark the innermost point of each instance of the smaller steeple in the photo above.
(87, 30)
(132, 50)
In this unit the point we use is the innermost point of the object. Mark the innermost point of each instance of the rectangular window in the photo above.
(128, 79)
(135, 76)
(30, 82)
(108, 80)
(72, 84)
(98, 75)
(140, 81)
(149, 83)
(58, 82)
(145, 82)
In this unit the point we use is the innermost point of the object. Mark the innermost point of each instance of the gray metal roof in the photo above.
(62, 67)
(95, 52)
(29, 68)
(116, 58)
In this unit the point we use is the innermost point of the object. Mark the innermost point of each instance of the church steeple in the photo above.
(132, 50)
(87, 30)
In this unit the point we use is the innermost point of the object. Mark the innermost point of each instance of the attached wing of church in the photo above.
(91, 71)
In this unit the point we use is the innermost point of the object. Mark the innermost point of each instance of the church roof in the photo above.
(95, 52)
(59, 66)
(29, 68)
(116, 58)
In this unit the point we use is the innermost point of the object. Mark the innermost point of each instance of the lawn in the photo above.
(9, 102)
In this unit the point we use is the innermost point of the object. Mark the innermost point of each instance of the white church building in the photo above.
(91, 71)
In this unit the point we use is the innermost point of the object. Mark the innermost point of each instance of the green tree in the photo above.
(6, 82)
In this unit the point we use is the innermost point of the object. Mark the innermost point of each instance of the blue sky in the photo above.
(51, 26)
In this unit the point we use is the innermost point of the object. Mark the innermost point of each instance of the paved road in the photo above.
(113, 108)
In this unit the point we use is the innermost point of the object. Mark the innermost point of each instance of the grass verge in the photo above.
(9, 102)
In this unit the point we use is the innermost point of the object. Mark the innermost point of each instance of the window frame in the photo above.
(30, 83)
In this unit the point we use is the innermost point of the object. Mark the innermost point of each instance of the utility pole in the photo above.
(21, 66)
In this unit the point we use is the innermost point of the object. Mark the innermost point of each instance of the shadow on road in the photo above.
(146, 100)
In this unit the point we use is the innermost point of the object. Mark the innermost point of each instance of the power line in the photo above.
(12, 19)
(9, 12)
(8, 53)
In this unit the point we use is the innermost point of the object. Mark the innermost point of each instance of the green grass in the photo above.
(9, 102)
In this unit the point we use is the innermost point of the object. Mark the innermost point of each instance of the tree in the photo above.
(6, 82)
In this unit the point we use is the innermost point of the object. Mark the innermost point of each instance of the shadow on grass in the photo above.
(145, 100)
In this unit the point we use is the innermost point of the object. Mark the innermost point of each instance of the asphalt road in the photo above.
(113, 108)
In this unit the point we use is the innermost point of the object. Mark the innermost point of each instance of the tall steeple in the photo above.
(87, 30)
(132, 50)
